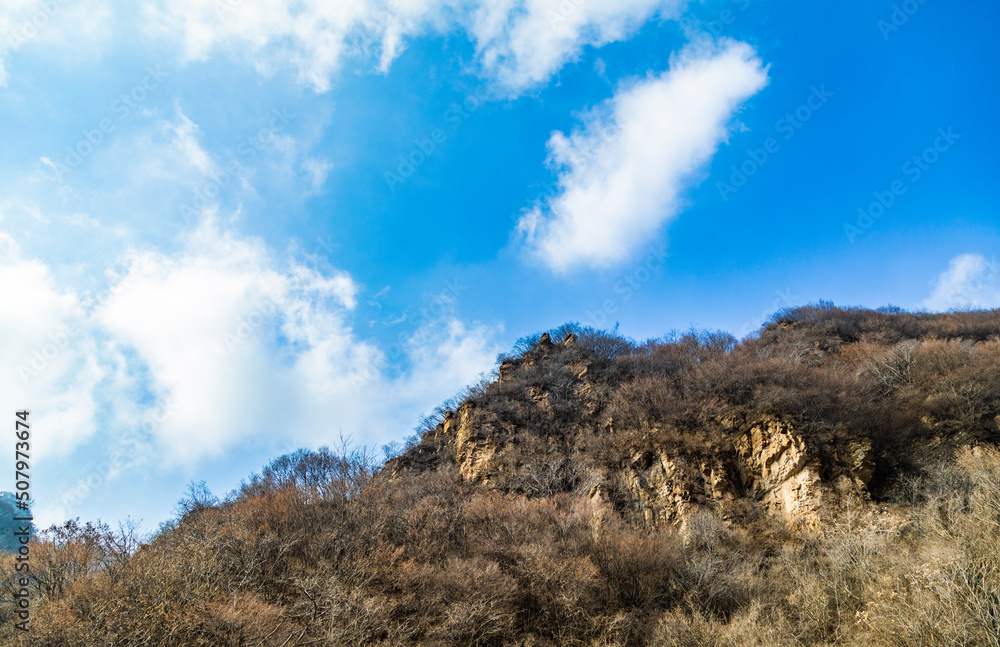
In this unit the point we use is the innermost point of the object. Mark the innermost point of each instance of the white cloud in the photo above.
(186, 146)
(238, 346)
(622, 173)
(205, 324)
(234, 340)
(173, 313)
(521, 43)
(316, 170)
(312, 37)
(42, 359)
(445, 356)
(971, 281)
(57, 25)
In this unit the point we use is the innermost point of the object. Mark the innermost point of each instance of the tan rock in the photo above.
(668, 488)
(778, 468)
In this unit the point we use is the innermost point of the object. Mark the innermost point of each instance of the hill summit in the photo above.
(826, 406)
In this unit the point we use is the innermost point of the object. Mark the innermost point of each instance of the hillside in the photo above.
(832, 480)
(826, 406)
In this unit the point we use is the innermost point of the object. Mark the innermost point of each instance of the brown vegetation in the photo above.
(512, 519)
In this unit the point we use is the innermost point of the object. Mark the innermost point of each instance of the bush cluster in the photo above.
(330, 548)
(427, 562)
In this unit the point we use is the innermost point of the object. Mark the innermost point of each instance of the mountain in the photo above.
(8, 510)
(831, 480)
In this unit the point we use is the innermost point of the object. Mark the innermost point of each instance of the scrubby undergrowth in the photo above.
(327, 548)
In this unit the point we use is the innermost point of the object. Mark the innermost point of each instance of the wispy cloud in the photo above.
(316, 170)
(239, 344)
(622, 172)
(523, 43)
(520, 43)
(43, 352)
(971, 281)
(76, 26)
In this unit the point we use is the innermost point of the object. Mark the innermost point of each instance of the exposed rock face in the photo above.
(770, 463)
(766, 459)
(474, 449)
(668, 489)
(777, 467)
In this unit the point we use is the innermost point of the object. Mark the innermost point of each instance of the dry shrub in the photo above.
(561, 591)
(644, 402)
(241, 620)
(823, 321)
(537, 476)
(758, 625)
(320, 549)
(956, 380)
(481, 603)
(951, 595)
(453, 567)
(825, 396)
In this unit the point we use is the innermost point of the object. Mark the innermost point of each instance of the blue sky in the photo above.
(230, 228)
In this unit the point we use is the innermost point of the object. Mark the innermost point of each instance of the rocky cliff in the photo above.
(556, 418)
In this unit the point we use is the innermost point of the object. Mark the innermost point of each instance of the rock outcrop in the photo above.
(777, 466)
(667, 488)
(547, 413)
